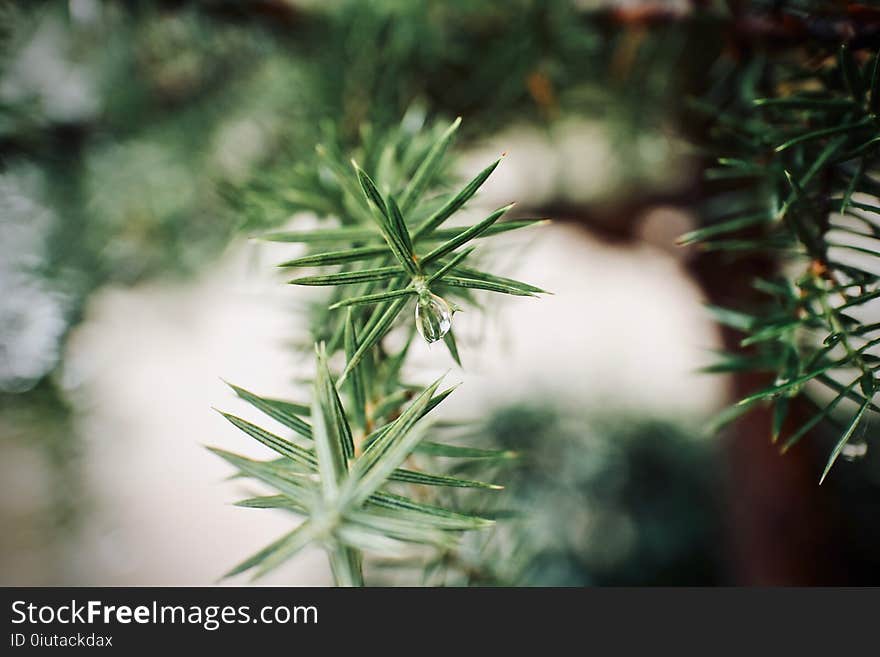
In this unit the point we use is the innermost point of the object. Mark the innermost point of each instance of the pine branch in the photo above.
(808, 159)
(362, 429)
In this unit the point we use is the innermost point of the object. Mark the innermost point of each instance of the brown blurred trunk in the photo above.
(777, 527)
(778, 531)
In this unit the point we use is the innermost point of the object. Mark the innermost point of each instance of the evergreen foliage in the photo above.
(797, 177)
(384, 253)
(125, 179)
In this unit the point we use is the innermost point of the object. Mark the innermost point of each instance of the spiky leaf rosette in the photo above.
(342, 489)
(394, 247)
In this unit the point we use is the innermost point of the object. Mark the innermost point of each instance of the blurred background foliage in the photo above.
(138, 138)
(588, 501)
(124, 125)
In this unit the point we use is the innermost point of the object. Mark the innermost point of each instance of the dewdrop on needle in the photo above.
(433, 317)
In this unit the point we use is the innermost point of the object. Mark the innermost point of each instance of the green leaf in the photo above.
(427, 479)
(854, 422)
(277, 552)
(350, 234)
(356, 381)
(336, 257)
(345, 564)
(299, 491)
(372, 298)
(724, 227)
(773, 332)
(353, 199)
(401, 527)
(357, 537)
(780, 411)
(817, 418)
(867, 384)
(436, 400)
(282, 411)
(398, 226)
(824, 132)
(853, 183)
(427, 168)
(465, 236)
(732, 318)
(788, 385)
(349, 277)
(372, 194)
(394, 362)
(457, 451)
(299, 487)
(495, 229)
(389, 404)
(387, 453)
(374, 333)
(862, 149)
(794, 102)
(476, 274)
(378, 312)
(823, 158)
(333, 442)
(456, 202)
(282, 446)
(733, 362)
(449, 341)
(428, 513)
(387, 224)
(725, 417)
(271, 502)
(474, 284)
(447, 266)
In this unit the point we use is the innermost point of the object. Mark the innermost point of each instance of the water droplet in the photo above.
(857, 447)
(433, 317)
(854, 451)
(791, 391)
